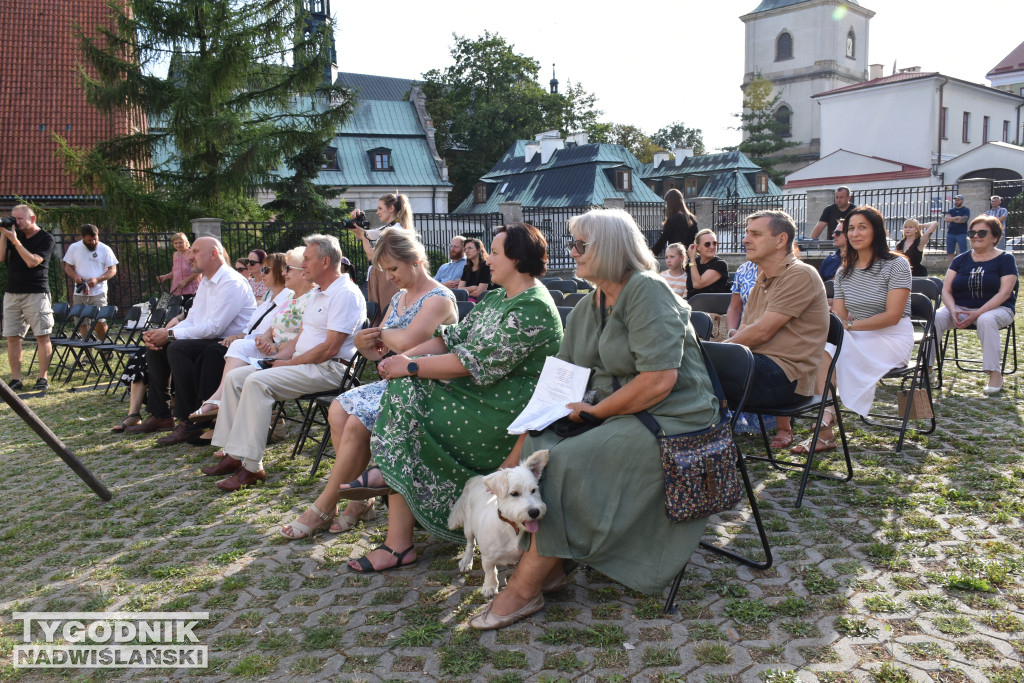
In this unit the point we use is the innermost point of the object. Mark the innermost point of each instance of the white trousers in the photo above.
(988, 324)
(248, 403)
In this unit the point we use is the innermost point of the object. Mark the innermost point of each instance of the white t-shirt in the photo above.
(339, 308)
(89, 264)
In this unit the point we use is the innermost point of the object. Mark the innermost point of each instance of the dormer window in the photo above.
(623, 181)
(480, 193)
(690, 187)
(330, 162)
(761, 183)
(380, 159)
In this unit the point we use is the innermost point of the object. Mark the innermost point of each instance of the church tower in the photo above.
(319, 19)
(806, 47)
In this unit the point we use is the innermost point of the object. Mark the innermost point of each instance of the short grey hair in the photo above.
(616, 247)
(779, 222)
(995, 197)
(327, 246)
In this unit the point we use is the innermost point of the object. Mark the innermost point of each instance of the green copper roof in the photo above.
(768, 5)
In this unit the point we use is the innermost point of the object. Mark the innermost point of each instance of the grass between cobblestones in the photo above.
(911, 572)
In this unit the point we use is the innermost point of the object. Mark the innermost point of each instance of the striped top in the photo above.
(678, 284)
(865, 290)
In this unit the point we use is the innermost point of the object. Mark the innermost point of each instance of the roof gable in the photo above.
(1010, 63)
(371, 87)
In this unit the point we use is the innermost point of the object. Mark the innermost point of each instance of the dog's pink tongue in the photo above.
(531, 526)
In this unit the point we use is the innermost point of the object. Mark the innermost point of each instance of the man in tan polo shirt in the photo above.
(785, 321)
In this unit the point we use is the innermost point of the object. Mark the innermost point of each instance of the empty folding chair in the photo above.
(711, 302)
(573, 299)
(703, 325)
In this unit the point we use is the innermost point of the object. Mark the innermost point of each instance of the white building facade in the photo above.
(806, 47)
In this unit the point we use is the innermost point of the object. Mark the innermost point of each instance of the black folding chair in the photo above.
(62, 347)
(547, 280)
(830, 289)
(711, 303)
(972, 364)
(928, 287)
(703, 325)
(573, 299)
(563, 312)
(557, 297)
(734, 365)
(563, 286)
(464, 308)
(915, 371)
(62, 312)
(581, 284)
(813, 406)
(322, 404)
(461, 294)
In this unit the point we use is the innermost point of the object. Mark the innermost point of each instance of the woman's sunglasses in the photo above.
(708, 245)
(248, 261)
(265, 270)
(241, 269)
(579, 245)
(977, 233)
(288, 269)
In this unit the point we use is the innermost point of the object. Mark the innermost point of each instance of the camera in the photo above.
(79, 288)
(8, 222)
(357, 222)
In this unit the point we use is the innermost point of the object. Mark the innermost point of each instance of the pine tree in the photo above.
(762, 131)
(246, 89)
(299, 198)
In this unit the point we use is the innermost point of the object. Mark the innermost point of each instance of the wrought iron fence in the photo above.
(1012, 193)
(731, 216)
(898, 204)
(553, 222)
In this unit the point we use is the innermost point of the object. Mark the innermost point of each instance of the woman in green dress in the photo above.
(445, 414)
(604, 488)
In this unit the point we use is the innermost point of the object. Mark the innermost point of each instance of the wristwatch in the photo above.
(170, 335)
(412, 368)
(849, 324)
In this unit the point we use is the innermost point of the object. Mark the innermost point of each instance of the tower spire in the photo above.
(554, 81)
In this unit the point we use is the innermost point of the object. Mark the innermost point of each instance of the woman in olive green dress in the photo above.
(604, 489)
(445, 414)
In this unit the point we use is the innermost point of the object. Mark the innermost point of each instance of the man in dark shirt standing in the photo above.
(26, 251)
(834, 213)
(956, 230)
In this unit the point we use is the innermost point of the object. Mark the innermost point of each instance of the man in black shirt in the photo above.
(834, 213)
(26, 251)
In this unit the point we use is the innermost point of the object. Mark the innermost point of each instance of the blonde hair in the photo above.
(294, 257)
(616, 247)
(705, 231)
(398, 244)
(678, 246)
(183, 237)
(403, 210)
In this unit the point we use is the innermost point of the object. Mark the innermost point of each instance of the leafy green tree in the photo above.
(678, 135)
(299, 198)
(635, 140)
(762, 132)
(488, 98)
(231, 109)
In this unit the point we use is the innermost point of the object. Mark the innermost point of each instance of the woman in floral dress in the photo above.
(444, 417)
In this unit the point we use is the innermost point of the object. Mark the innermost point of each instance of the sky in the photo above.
(653, 62)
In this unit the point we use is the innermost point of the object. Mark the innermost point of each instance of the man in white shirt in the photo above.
(90, 263)
(223, 305)
(450, 273)
(313, 361)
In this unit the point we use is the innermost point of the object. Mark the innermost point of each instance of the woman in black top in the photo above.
(476, 276)
(707, 274)
(915, 237)
(679, 226)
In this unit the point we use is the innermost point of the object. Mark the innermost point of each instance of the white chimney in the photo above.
(532, 149)
(548, 147)
(577, 139)
(682, 153)
(911, 70)
(660, 158)
(875, 71)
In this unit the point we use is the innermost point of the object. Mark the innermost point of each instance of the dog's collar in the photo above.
(508, 521)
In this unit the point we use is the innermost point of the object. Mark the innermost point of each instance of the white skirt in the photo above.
(244, 349)
(866, 357)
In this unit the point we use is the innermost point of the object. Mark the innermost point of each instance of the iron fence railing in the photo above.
(898, 204)
(1012, 194)
(731, 216)
(553, 222)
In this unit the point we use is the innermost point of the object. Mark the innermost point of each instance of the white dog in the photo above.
(495, 511)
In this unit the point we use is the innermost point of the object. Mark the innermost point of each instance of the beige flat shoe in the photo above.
(343, 522)
(488, 620)
(299, 530)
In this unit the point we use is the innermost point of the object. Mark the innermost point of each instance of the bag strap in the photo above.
(265, 314)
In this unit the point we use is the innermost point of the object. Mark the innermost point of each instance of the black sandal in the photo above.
(360, 489)
(117, 429)
(366, 567)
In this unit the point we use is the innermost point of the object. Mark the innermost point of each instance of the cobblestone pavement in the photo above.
(911, 572)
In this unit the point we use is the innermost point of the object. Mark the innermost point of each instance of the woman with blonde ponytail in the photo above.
(393, 210)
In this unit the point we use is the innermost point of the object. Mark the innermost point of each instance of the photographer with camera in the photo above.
(26, 249)
(90, 263)
(393, 210)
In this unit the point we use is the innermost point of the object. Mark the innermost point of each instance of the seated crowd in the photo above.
(449, 388)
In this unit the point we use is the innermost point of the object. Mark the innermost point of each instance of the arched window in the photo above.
(851, 45)
(784, 119)
(783, 47)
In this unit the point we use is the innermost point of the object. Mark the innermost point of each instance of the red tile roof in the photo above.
(41, 94)
(906, 171)
(1011, 62)
(895, 78)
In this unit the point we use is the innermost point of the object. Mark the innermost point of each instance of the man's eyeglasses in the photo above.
(837, 233)
(579, 245)
(265, 270)
(288, 269)
(977, 233)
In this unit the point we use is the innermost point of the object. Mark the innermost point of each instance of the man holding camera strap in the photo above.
(26, 249)
(90, 263)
